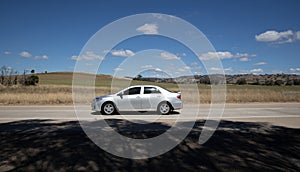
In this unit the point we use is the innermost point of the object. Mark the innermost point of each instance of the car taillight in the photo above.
(179, 96)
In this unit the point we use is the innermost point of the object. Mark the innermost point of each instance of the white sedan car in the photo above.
(139, 98)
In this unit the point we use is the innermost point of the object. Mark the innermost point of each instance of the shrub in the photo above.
(269, 82)
(290, 82)
(32, 80)
(278, 82)
(241, 81)
(296, 81)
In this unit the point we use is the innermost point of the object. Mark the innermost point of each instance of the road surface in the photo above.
(242, 142)
(283, 114)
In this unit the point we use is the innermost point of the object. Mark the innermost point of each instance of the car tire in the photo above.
(108, 108)
(164, 108)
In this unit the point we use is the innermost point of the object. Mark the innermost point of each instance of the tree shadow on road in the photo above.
(46, 145)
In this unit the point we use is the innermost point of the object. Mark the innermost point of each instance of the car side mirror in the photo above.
(120, 94)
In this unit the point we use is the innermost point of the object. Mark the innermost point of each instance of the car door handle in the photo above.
(138, 97)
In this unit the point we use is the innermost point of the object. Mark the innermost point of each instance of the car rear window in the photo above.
(151, 90)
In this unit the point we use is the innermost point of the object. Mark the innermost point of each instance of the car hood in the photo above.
(101, 97)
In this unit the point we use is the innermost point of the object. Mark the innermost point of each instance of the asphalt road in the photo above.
(49, 138)
(282, 114)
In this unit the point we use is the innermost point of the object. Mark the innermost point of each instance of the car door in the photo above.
(151, 97)
(130, 99)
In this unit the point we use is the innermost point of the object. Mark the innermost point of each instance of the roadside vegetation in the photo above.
(56, 88)
(10, 77)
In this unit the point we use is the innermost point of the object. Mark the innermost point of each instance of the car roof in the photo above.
(144, 85)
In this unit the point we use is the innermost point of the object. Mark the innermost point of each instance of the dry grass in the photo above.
(37, 99)
(62, 94)
(252, 94)
(41, 95)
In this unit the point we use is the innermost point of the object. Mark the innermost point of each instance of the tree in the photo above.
(138, 77)
(241, 81)
(3, 73)
(296, 81)
(32, 71)
(16, 73)
(289, 82)
(269, 82)
(278, 82)
(32, 80)
(6, 75)
(205, 80)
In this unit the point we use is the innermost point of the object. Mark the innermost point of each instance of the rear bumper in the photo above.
(177, 105)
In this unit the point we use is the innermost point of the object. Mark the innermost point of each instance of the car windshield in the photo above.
(130, 91)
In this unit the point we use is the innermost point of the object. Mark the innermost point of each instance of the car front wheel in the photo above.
(108, 108)
(164, 108)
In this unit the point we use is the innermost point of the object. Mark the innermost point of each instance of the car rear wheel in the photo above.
(108, 108)
(164, 108)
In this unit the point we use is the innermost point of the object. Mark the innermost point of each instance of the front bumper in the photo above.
(95, 106)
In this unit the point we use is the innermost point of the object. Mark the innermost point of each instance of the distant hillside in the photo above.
(65, 78)
(267, 79)
(242, 79)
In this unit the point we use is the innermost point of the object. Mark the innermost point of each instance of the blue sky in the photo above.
(248, 36)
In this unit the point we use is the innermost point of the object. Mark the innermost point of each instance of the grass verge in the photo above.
(62, 94)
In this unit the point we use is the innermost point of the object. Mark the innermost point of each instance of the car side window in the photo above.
(132, 91)
(151, 90)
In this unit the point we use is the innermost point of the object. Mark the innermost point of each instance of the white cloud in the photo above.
(216, 55)
(89, 55)
(7, 52)
(27, 69)
(197, 73)
(237, 55)
(224, 55)
(74, 57)
(220, 70)
(295, 69)
(184, 69)
(180, 55)
(158, 70)
(272, 35)
(168, 56)
(244, 59)
(298, 35)
(89, 64)
(43, 57)
(148, 29)
(227, 70)
(146, 66)
(194, 64)
(256, 71)
(25, 54)
(118, 69)
(122, 53)
(278, 37)
(259, 63)
(28, 55)
(187, 68)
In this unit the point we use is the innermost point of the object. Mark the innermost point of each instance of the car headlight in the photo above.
(98, 98)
